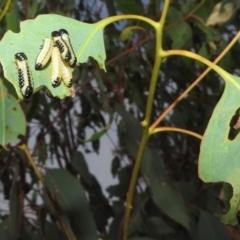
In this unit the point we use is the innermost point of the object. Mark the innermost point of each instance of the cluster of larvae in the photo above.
(60, 51)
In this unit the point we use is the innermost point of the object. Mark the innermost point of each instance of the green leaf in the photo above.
(12, 18)
(120, 189)
(10, 111)
(204, 11)
(209, 227)
(219, 156)
(29, 232)
(87, 41)
(2, 3)
(42, 215)
(129, 7)
(115, 227)
(130, 129)
(127, 32)
(204, 53)
(48, 229)
(165, 196)
(115, 165)
(101, 212)
(156, 227)
(79, 163)
(32, 9)
(180, 33)
(96, 135)
(187, 6)
(72, 200)
(53, 232)
(135, 224)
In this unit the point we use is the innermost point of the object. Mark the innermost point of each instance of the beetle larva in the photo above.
(66, 74)
(65, 37)
(24, 75)
(63, 48)
(56, 67)
(45, 54)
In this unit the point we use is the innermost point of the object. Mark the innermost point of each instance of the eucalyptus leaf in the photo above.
(10, 111)
(72, 200)
(86, 40)
(219, 156)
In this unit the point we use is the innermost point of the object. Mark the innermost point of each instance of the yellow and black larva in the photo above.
(56, 67)
(66, 39)
(66, 74)
(24, 75)
(63, 48)
(45, 54)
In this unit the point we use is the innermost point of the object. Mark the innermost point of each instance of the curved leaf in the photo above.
(96, 135)
(165, 196)
(209, 227)
(72, 200)
(219, 159)
(86, 39)
(127, 32)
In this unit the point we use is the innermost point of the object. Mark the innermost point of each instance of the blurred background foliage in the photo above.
(171, 202)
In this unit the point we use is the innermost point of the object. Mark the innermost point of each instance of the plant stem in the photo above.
(157, 63)
(106, 21)
(174, 129)
(4, 11)
(54, 203)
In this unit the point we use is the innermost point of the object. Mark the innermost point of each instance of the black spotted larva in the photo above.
(44, 54)
(24, 75)
(56, 72)
(63, 48)
(65, 37)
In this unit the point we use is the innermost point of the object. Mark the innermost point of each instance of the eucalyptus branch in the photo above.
(157, 63)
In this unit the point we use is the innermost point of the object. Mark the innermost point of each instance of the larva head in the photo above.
(73, 62)
(38, 66)
(63, 31)
(20, 56)
(56, 34)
